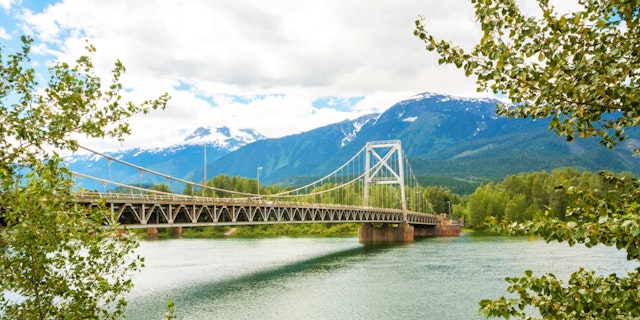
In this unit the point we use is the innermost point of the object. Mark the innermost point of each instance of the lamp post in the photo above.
(205, 168)
(259, 169)
(449, 203)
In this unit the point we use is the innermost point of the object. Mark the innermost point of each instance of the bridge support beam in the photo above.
(367, 233)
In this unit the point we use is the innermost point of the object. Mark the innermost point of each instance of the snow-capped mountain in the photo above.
(443, 136)
(177, 160)
(222, 137)
(299, 154)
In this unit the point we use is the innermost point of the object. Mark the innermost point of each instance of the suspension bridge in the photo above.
(376, 188)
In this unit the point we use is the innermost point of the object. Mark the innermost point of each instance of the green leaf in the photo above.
(61, 262)
(586, 79)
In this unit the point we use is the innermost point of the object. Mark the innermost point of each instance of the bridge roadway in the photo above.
(164, 210)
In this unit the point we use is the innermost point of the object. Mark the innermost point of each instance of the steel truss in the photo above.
(391, 164)
(142, 211)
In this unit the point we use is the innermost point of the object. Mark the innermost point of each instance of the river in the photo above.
(339, 278)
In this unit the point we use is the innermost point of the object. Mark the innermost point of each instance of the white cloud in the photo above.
(559, 6)
(4, 35)
(283, 53)
(6, 4)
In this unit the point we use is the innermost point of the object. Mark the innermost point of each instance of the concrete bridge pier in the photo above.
(152, 233)
(177, 232)
(367, 233)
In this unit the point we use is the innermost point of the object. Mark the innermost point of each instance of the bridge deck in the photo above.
(153, 210)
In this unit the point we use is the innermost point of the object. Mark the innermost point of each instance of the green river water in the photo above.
(339, 278)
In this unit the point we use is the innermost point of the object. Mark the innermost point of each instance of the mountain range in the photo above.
(443, 136)
(179, 160)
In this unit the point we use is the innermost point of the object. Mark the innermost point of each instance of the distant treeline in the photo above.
(456, 185)
(423, 199)
(440, 199)
(523, 196)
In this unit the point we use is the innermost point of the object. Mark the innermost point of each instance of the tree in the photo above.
(477, 206)
(161, 187)
(440, 198)
(57, 260)
(582, 70)
(516, 208)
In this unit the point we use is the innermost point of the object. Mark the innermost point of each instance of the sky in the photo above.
(280, 66)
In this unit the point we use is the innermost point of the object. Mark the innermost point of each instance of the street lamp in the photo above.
(205, 168)
(259, 169)
(449, 203)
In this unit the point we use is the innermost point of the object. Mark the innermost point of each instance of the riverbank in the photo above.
(274, 230)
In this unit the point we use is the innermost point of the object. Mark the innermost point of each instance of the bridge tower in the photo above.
(388, 168)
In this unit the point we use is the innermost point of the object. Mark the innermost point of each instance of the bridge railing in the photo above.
(141, 210)
(151, 197)
(138, 196)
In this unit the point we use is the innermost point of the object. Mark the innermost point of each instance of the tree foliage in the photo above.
(606, 216)
(525, 196)
(56, 259)
(582, 70)
(419, 199)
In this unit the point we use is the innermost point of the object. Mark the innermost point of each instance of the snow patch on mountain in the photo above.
(350, 135)
(410, 119)
(424, 95)
(84, 157)
(139, 152)
(445, 98)
(223, 137)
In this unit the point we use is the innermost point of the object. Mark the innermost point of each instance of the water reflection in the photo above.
(199, 270)
(320, 264)
(323, 278)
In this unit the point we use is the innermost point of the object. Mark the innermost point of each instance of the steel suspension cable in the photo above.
(142, 169)
(327, 176)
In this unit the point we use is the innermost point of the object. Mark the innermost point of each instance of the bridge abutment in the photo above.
(367, 233)
(404, 232)
(445, 227)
